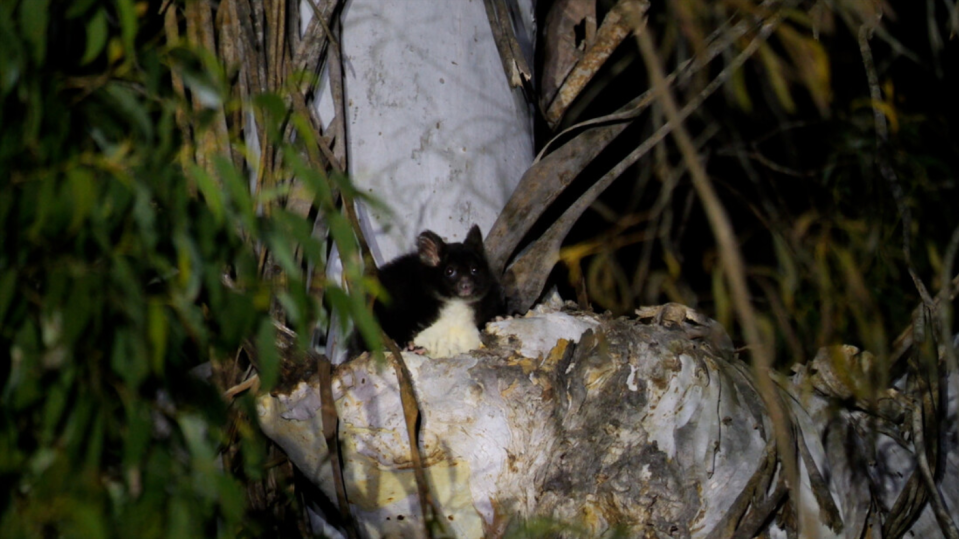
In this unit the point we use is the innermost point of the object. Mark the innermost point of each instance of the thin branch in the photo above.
(945, 306)
(611, 33)
(330, 422)
(339, 100)
(529, 271)
(171, 26)
(905, 339)
(518, 73)
(252, 382)
(882, 143)
(552, 173)
(411, 413)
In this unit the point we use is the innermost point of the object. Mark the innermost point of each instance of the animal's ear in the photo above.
(474, 239)
(430, 248)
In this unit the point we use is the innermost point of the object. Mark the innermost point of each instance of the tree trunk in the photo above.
(433, 128)
(648, 426)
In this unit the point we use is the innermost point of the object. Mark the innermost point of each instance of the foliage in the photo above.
(791, 145)
(131, 258)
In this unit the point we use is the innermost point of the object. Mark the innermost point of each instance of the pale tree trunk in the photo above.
(651, 427)
(433, 129)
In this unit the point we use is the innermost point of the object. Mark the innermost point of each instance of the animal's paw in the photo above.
(418, 350)
(448, 342)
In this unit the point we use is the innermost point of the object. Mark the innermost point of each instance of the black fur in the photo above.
(420, 283)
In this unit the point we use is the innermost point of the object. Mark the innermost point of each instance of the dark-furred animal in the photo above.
(440, 295)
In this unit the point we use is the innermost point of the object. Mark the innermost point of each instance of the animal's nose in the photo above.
(464, 287)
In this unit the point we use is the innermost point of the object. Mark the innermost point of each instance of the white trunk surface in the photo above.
(433, 129)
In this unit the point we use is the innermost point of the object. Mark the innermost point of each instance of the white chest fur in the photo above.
(454, 332)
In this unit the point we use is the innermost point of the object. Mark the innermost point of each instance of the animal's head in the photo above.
(460, 269)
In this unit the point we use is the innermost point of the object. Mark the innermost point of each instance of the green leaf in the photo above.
(202, 454)
(282, 249)
(269, 359)
(237, 319)
(79, 7)
(239, 190)
(192, 318)
(23, 388)
(128, 25)
(145, 215)
(354, 307)
(138, 433)
(342, 233)
(128, 290)
(95, 442)
(200, 74)
(8, 281)
(86, 520)
(290, 306)
(231, 498)
(189, 266)
(158, 328)
(96, 36)
(11, 54)
(179, 519)
(132, 107)
(812, 64)
(775, 72)
(736, 86)
(81, 411)
(34, 18)
(54, 406)
(45, 200)
(194, 428)
(41, 460)
(82, 299)
(83, 195)
(131, 367)
(273, 112)
(313, 179)
(301, 231)
(212, 193)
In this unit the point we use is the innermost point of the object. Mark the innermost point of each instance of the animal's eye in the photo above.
(450, 271)
(474, 270)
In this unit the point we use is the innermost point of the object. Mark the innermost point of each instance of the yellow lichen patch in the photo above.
(557, 353)
(373, 488)
(528, 365)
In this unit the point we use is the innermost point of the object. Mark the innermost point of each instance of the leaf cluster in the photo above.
(786, 128)
(131, 268)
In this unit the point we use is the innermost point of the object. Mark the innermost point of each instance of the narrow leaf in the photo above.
(269, 360)
(96, 36)
(128, 25)
(158, 327)
(34, 18)
(83, 193)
